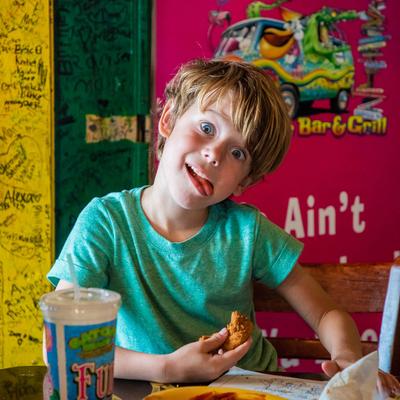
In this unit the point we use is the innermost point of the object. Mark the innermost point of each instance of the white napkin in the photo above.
(356, 382)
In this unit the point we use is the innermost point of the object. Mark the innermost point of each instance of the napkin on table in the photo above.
(356, 382)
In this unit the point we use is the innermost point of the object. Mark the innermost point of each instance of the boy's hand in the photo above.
(387, 384)
(202, 360)
(331, 367)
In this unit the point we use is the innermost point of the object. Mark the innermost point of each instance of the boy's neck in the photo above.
(173, 223)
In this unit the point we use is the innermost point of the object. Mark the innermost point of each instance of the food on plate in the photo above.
(227, 396)
(239, 330)
(208, 393)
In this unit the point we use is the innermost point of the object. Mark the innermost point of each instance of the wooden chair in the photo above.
(357, 288)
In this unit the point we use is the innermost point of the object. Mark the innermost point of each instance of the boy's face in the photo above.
(204, 159)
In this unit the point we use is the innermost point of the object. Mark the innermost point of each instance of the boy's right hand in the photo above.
(201, 361)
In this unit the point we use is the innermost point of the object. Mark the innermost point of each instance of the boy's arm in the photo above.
(333, 325)
(195, 362)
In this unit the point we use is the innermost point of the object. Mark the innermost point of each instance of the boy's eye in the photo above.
(238, 154)
(207, 128)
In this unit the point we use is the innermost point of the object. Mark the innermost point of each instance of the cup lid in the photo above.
(88, 298)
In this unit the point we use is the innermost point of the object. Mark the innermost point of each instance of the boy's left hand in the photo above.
(387, 384)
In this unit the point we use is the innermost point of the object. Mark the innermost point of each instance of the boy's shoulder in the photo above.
(248, 217)
(245, 214)
(123, 196)
(115, 202)
(244, 210)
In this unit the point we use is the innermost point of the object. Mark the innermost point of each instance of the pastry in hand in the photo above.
(239, 330)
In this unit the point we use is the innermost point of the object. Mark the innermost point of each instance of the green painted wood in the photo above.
(102, 67)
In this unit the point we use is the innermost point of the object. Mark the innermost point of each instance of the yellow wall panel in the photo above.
(26, 174)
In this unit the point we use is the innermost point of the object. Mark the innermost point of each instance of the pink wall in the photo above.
(335, 171)
(363, 167)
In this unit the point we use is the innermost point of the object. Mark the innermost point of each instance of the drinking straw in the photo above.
(73, 276)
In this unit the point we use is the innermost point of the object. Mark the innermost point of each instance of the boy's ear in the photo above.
(164, 123)
(242, 186)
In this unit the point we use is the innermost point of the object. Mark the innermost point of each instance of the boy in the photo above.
(182, 256)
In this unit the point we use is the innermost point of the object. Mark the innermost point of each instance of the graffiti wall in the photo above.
(26, 144)
(102, 102)
(336, 65)
(101, 58)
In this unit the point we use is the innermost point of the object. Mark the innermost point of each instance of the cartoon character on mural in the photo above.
(307, 56)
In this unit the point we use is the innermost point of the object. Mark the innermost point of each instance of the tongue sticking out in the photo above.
(204, 186)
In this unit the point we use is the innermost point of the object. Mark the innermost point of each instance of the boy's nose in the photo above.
(212, 156)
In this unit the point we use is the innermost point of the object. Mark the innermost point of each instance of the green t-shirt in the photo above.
(172, 293)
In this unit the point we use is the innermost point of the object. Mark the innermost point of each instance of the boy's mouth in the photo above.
(202, 184)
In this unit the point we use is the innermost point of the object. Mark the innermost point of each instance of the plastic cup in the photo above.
(80, 336)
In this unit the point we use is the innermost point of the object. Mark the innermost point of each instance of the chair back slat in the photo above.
(355, 287)
(309, 349)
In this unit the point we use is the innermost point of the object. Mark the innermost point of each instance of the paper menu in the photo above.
(287, 387)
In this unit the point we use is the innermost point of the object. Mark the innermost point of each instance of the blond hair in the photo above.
(258, 111)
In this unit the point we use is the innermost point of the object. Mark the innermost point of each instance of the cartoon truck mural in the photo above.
(307, 56)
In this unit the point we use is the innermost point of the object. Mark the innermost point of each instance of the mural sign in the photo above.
(335, 65)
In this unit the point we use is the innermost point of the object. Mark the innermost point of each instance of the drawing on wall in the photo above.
(25, 177)
(373, 39)
(308, 56)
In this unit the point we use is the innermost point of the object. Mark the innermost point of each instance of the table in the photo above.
(29, 383)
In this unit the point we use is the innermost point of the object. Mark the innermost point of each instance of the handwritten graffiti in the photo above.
(10, 219)
(21, 17)
(20, 164)
(25, 177)
(20, 337)
(24, 86)
(23, 294)
(113, 14)
(19, 244)
(19, 199)
(96, 60)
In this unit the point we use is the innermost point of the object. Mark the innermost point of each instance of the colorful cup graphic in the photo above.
(80, 336)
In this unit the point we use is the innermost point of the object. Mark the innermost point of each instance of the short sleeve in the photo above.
(276, 253)
(90, 245)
